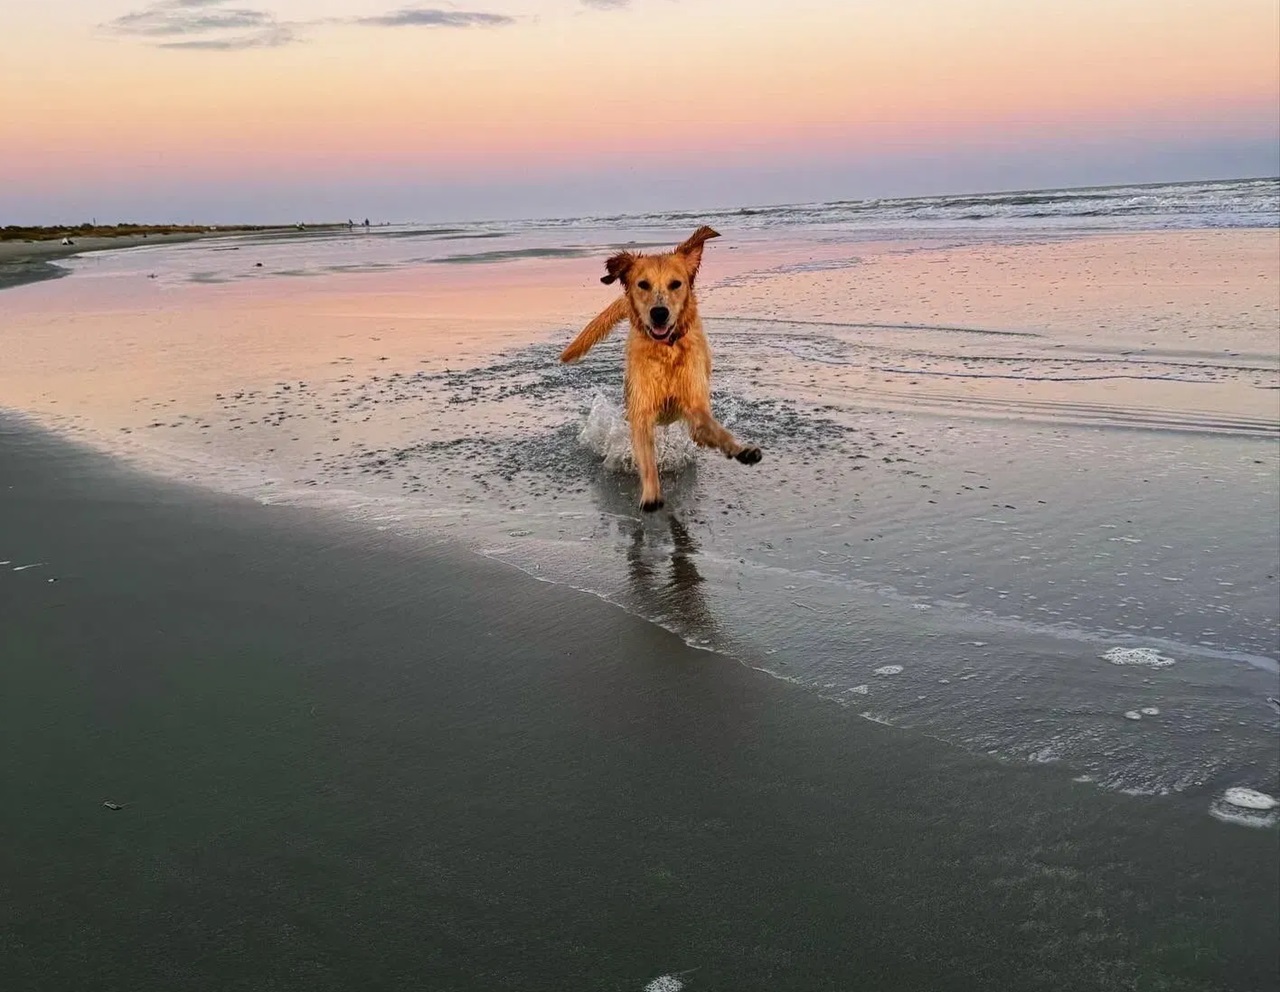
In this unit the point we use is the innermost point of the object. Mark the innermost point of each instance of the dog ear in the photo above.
(618, 267)
(691, 247)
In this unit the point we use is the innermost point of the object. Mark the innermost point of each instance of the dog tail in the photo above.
(595, 332)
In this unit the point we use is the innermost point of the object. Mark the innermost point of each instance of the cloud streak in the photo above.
(207, 24)
(429, 17)
(273, 37)
(161, 21)
(215, 26)
(606, 4)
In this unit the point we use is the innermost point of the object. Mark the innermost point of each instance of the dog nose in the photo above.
(659, 316)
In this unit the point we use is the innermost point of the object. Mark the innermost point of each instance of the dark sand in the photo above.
(352, 763)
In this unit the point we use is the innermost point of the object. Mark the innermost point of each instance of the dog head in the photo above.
(659, 288)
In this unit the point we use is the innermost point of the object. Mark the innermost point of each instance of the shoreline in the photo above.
(24, 262)
(344, 760)
(29, 261)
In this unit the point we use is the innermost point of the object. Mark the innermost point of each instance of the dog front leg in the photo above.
(710, 433)
(646, 462)
(596, 331)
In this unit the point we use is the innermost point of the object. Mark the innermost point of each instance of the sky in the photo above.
(225, 111)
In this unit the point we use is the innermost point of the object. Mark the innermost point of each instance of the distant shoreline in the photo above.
(47, 232)
(27, 254)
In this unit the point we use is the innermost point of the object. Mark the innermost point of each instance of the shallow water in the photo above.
(999, 469)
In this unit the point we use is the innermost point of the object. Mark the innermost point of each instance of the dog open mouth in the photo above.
(661, 333)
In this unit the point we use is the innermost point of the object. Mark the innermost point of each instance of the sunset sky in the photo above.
(279, 110)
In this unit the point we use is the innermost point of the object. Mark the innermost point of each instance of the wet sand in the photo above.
(23, 262)
(346, 760)
(1079, 328)
(988, 506)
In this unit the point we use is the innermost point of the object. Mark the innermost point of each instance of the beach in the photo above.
(319, 565)
(343, 763)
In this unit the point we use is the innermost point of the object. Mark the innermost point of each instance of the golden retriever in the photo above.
(668, 374)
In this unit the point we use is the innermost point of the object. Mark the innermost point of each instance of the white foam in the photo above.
(23, 568)
(1249, 799)
(1146, 657)
(665, 983)
(1150, 711)
(607, 433)
(889, 670)
(1133, 715)
(1245, 808)
(1241, 818)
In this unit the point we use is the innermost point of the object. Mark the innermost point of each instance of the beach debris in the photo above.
(110, 805)
(1145, 657)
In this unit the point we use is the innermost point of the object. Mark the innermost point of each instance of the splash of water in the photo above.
(606, 433)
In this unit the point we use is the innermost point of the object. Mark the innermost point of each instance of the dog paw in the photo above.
(650, 505)
(749, 456)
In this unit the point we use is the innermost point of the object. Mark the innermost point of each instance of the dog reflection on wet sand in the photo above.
(664, 580)
(680, 597)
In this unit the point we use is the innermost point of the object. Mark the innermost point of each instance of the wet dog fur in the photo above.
(668, 373)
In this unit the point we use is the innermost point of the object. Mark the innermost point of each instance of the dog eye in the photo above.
(644, 284)
(675, 284)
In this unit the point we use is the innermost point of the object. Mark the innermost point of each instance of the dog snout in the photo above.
(659, 316)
